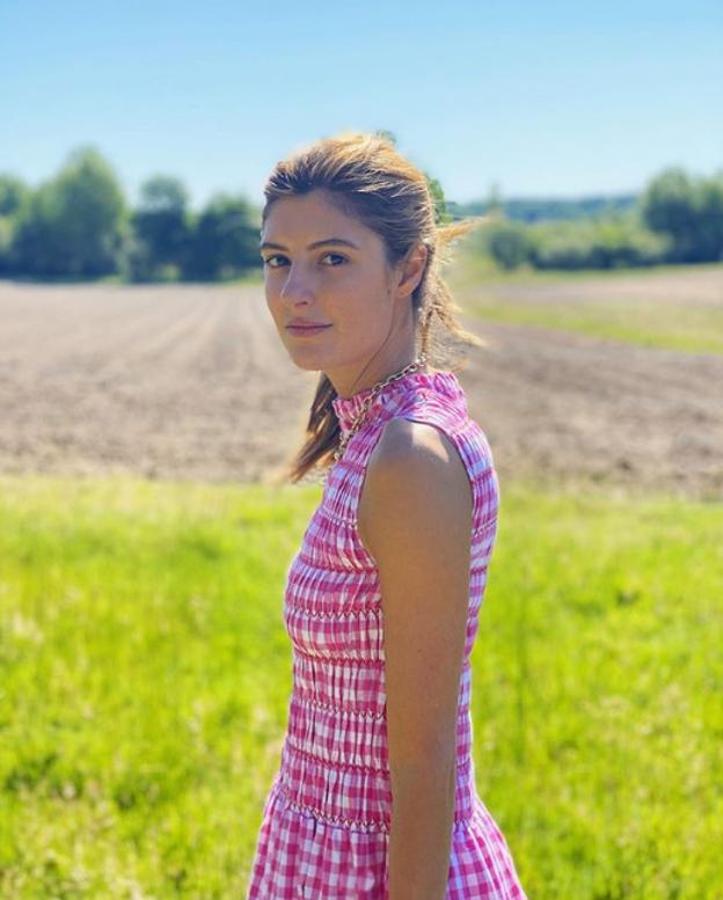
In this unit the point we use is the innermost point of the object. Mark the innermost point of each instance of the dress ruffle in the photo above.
(354, 862)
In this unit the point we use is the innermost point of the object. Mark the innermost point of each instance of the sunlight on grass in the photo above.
(689, 326)
(694, 330)
(146, 675)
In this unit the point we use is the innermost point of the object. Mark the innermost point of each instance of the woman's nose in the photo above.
(298, 285)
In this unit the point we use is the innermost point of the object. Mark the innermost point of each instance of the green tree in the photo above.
(709, 205)
(386, 133)
(441, 213)
(14, 193)
(668, 206)
(14, 196)
(6, 242)
(225, 240)
(74, 223)
(162, 229)
(508, 244)
(494, 206)
(689, 211)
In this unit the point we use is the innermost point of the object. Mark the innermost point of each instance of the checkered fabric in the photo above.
(326, 821)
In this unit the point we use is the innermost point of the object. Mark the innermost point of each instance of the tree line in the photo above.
(539, 209)
(678, 218)
(78, 224)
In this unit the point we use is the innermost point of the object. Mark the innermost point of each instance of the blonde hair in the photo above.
(367, 178)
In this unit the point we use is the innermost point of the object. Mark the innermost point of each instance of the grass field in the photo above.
(144, 668)
(671, 307)
(145, 672)
(647, 324)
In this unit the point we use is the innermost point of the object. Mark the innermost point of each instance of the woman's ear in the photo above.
(412, 269)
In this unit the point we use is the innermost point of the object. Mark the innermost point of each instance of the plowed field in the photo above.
(192, 382)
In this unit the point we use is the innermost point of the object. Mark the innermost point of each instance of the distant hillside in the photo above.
(536, 209)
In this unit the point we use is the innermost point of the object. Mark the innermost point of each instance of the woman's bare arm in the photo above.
(415, 518)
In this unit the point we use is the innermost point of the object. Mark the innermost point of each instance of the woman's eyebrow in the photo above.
(273, 246)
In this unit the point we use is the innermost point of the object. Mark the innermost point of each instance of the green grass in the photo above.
(689, 326)
(474, 267)
(645, 322)
(145, 675)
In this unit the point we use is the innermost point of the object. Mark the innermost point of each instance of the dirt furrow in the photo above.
(192, 381)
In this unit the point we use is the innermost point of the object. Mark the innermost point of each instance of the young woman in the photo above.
(375, 796)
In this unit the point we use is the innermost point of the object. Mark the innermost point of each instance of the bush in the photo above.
(606, 243)
(509, 244)
(6, 240)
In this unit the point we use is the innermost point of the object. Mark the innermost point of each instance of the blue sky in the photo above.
(540, 98)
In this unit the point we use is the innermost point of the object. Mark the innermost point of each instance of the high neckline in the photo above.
(348, 408)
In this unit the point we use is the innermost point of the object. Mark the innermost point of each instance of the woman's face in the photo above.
(323, 267)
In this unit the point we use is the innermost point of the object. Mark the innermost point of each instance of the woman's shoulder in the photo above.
(412, 463)
(410, 441)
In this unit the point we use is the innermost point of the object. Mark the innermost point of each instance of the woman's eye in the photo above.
(337, 255)
(269, 261)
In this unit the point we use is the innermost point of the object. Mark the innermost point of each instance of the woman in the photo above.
(375, 796)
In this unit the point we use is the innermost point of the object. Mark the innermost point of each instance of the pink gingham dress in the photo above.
(326, 820)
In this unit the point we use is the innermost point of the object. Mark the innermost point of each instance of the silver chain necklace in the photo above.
(357, 423)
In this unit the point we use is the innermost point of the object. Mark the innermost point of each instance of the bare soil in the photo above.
(192, 382)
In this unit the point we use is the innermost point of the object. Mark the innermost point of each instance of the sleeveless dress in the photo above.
(326, 819)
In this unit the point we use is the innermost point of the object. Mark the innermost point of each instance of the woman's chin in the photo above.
(306, 362)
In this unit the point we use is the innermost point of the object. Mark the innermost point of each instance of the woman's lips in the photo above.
(306, 330)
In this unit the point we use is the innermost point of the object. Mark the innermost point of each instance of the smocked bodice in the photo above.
(334, 760)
